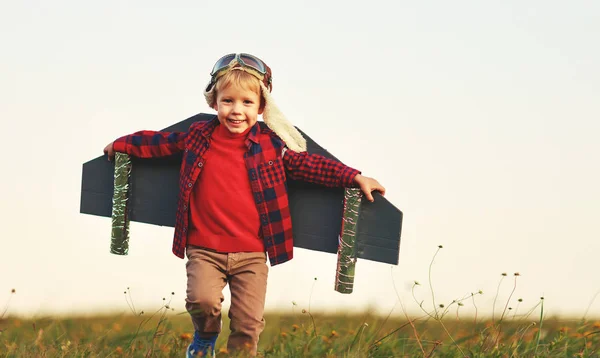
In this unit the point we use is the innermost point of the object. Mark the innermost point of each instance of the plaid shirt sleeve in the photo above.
(317, 169)
(150, 144)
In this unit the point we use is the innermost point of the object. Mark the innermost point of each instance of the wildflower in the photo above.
(520, 300)
(13, 291)
(417, 283)
(119, 350)
(542, 298)
(185, 337)
(461, 304)
(504, 274)
(315, 278)
(441, 305)
(116, 327)
(283, 334)
(295, 327)
(334, 333)
(325, 339)
(440, 247)
(480, 292)
(172, 293)
(517, 274)
(596, 325)
(294, 303)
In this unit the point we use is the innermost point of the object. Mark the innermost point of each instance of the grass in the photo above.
(293, 335)
(440, 331)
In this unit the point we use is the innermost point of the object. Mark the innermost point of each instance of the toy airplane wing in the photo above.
(316, 211)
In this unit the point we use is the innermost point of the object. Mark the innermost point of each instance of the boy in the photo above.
(233, 203)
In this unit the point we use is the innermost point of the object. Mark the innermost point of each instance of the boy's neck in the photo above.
(224, 132)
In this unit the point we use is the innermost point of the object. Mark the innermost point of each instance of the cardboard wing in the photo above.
(316, 211)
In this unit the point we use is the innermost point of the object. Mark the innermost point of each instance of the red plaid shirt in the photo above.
(268, 162)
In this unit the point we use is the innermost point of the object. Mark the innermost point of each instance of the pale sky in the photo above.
(480, 118)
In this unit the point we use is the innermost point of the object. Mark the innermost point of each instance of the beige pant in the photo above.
(246, 272)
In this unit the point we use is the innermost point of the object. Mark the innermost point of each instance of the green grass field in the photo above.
(164, 334)
(440, 331)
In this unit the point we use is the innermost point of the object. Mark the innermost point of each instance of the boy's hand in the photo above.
(367, 185)
(110, 151)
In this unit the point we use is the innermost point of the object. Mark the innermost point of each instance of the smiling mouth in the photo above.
(235, 121)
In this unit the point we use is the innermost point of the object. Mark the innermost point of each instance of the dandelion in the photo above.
(283, 334)
(295, 327)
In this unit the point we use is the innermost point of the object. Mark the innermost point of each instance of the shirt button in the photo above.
(200, 164)
(189, 185)
(270, 162)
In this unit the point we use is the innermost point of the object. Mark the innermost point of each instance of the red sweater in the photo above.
(223, 215)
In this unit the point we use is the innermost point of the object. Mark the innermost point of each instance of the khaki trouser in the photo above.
(246, 272)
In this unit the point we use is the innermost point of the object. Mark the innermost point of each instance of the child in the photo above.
(233, 203)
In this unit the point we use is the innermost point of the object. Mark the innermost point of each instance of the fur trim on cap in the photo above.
(274, 119)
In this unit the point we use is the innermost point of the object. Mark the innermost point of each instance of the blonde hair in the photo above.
(240, 79)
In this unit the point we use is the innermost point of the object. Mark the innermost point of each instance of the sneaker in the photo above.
(204, 346)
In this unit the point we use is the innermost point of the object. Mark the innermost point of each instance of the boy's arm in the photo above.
(317, 169)
(320, 170)
(149, 144)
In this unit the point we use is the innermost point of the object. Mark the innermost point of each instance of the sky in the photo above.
(481, 119)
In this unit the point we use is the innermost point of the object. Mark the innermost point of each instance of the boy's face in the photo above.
(237, 108)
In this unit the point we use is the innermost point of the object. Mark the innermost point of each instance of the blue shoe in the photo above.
(201, 347)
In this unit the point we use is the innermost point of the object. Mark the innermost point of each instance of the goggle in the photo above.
(263, 72)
